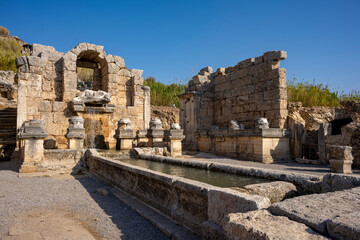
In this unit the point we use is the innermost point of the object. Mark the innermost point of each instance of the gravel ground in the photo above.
(105, 215)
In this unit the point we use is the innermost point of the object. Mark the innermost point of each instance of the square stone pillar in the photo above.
(124, 134)
(324, 130)
(156, 133)
(142, 139)
(76, 133)
(340, 159)
(32, 135)
(174, 137)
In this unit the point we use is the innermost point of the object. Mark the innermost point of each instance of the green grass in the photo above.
(162, 94)
(10, 49)
(314, 94)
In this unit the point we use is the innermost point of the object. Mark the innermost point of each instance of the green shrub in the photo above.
(313, 94)
(162, 94)
(10, 49)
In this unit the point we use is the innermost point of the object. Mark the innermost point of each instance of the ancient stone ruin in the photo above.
(239, 111)
(65, 121)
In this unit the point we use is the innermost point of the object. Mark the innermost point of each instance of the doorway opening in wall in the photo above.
(337, 124)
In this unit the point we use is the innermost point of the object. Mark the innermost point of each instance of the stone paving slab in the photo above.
(317, 209)
(263, 225)
(345, 226)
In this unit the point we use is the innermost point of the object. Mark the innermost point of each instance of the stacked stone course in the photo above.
(254, 88)
(47, 85)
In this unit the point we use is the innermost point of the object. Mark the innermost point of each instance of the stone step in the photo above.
(8, 125)
(7, 120)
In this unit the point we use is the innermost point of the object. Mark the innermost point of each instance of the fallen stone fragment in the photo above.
(262, 225)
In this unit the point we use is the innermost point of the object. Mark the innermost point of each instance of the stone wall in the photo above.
(254, 88)
(47, 85)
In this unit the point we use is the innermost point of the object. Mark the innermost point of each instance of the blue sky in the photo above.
(172, 40)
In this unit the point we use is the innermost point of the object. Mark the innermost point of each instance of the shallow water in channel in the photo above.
(210, 177)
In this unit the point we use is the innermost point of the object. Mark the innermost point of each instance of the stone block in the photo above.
(317, 209)
(263, 225)
(275, 191)
(225, 201)
(340, 166)
(58, 106)
(45, 106)
(345, 226)
(341, 152)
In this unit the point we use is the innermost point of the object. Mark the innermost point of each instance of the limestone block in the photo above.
(113, 68)
(345, 226)
(75, 143)
(46, 86)
(275, 191)
(58, 106)
(35, 61)
(263, 225)
(317, 209)
(341, 152)
(340, 166)
(225, 201)
(125, 144)
(45, 106)
(275, 55)
(69, 57)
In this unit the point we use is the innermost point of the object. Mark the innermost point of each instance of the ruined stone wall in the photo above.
(254, 88)
(47, 85)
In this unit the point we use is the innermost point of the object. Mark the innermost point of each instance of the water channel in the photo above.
(218, 179)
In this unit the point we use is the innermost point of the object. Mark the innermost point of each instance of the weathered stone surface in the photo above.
(275, 191)
(341, 152)
(265, 226)
(335, 182)
(345, 226)
(89, 96)
(225, 201)
(317, 209)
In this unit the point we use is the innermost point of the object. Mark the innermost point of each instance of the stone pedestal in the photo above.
(174, 137)
(32, 135)
(156, 133)
(341, 159)
(142, 139)
(76, 133)
(124, 134)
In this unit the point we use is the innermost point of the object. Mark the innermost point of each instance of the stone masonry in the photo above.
(47, 87)
(253, 90)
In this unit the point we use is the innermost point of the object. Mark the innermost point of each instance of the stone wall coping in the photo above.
(255, 132)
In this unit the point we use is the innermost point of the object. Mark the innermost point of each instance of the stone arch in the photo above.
(109, 65)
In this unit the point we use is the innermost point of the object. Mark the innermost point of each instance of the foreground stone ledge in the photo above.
(190, 203)
(345, 226)
(263, 225)
(317, 209)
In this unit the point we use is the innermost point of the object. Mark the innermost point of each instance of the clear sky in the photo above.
(172, 40)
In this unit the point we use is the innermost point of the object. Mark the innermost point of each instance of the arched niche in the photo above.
(84, 55)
